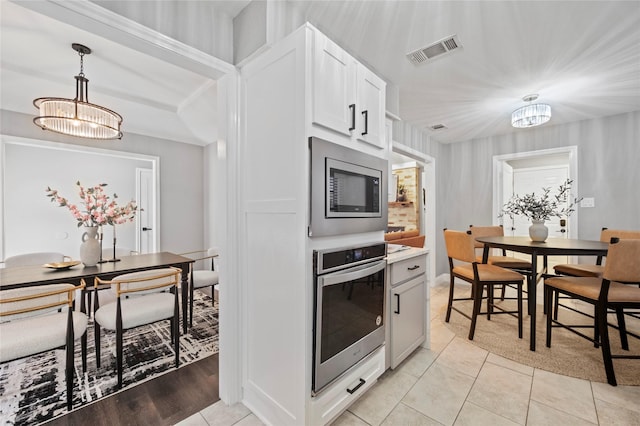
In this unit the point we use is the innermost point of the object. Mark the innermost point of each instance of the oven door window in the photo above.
(350, 311)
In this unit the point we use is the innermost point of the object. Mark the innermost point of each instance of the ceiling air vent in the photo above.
(438, 127)
(446, 45)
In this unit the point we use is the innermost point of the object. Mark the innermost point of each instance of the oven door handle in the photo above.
(353, 273)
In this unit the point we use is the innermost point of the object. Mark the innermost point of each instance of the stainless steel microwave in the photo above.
(348, 190)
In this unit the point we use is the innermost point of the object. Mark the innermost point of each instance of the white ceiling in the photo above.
(581, 57)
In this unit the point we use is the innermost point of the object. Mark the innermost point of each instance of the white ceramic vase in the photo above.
(538, 231)
(90, 247)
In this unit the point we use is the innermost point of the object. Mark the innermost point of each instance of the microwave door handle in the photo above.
(338, 278)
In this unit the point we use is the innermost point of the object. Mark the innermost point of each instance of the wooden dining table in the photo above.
(550, 247)
(24, 276)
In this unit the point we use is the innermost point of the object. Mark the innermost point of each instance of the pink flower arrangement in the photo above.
(98, 209)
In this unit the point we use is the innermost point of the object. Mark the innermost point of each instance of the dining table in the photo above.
(24, 276)
(549, 247)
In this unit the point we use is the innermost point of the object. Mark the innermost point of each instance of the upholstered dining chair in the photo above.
(37, 258)
(202, 278)
(141, 298)
(463, 264)
(612, 290)
(504, 261)
(591, 270)
(595, 270)
(41, 318)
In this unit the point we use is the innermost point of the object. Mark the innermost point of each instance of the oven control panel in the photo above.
(336, 259)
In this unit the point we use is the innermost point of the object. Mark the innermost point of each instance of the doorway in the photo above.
(425, 166)
(527, 172)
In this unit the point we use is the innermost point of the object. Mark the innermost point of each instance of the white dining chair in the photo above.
(37, 319)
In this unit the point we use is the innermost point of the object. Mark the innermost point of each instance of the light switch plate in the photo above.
(588, 202)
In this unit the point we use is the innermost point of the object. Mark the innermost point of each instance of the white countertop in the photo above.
(403, 252)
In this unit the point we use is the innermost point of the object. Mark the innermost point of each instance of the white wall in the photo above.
(608, 170)
(33, 223)
(181, 178)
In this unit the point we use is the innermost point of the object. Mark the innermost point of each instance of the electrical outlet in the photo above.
(588, 202)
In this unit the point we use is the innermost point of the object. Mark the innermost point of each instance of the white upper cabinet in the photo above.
(334, 77)
(370, 103)
(347, 97)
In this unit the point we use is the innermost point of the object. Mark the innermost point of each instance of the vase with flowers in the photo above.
(541, 208)
(95, 210)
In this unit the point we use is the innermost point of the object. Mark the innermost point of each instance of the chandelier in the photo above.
(532, 114)
(78, 117)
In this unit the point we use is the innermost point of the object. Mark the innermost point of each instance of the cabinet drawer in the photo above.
(337, 397)
(408, 268)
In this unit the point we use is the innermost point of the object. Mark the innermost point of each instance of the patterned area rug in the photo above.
(33, 390)
(569, 355)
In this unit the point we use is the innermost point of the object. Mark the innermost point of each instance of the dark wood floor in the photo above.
(164, 400)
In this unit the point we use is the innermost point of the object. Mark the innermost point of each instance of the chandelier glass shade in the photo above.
(78, 117)
(531, 115)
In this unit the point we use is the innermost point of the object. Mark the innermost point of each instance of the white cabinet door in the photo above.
(334, 77)
(370, 107)
(408, 304)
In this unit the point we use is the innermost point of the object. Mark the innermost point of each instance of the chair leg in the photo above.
(176, 331)
(119, 355)
(596, 327)
(604, 343)
(83, 346)
(119, 332)
(191, 306)
(69, 360)
(622, 327)
(96, 338)
(450, 299)
(477, 302)
(520, 314)
(556, 303)
(548, 301)
(489, 301)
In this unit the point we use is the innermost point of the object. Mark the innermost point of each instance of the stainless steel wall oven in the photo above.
(348, 309)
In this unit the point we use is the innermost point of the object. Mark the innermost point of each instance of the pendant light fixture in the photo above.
(532, 114)
(78, 117)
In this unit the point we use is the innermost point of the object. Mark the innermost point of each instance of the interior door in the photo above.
(145, 232)
(526, 181)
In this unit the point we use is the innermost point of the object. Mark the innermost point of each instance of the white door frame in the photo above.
(104, 23)
(499, 162)
(428, 165)
(152, 222)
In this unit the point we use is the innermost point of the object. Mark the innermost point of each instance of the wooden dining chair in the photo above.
(595, 270)
(41, 318)
(613, 290)
(464, 265)
(591, 270)
(521, 266)
(142, 298)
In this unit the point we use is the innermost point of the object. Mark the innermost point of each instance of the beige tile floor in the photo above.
(457, 383)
